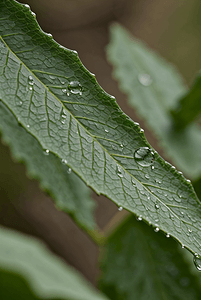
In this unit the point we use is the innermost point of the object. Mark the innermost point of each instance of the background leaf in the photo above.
(29, 271)
(154, 88)
(60, 103)
(139, 264)
(189, 107)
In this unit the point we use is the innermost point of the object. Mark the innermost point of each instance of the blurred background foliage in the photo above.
(171, 28)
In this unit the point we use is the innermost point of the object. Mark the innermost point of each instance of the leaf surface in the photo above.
(69, 192)
(189, 107)
(139, 263)
(29, 271)
(71, 116)
(154, 88)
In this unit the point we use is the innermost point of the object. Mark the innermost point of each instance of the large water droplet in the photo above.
(144, 156)
(145, 79)
(75, 87)
(197, 262)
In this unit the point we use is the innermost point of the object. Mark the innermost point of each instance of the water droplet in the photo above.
(156, 206)
(20, 103)
(106, 130)
(30, 88)
(179, 172)
(62, 82)
(144, 156)
(197, 262)
(46, 152)
(182, 246)
(146, 176)
(27, 6)
(121, 145)
(145, 79)
(69, 170)
(189, 230)
(63, 122)
(33, 14)
(152, 167)
(30, 78)
(141, 130)
(63, 116)
(64, 161)
(119, 172)
(75, 87)
(49, 34)
(120, 208)
(139, 218)
(156, 229)
(167, 235)
(64, 90)
(157, 181)
(136, 123)
(28, 126)
(173, 167)
(133, 182)
(148, 198)
(188, 180)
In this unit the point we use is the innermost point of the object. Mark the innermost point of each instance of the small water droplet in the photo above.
(120, 208)
(64, 90)
(139, 218)
(69, 170)
(27, 6)
(28, 126)
(189, 230)
(145, 79)
(144, 156)
(146, 176)
(20, 103)
(52, 77)
(121, 145)
(106, 130)
(136, 123)
(62, 82)
(63, 122)
(33, 14)
(156, 206)
(167, 235)
(156, 229)
(63, 116)
(30, 78)
(75, 87)
(148, 198)
(46, 152)
(119, 171)
(49, 34)
(152, 167)
(182, 246)
(141, 130)
(30, 88)
(133, 182)
(157, 181)
(173, 167)
(197, 262)
(179, 172)
(188, 180)
(64, 161)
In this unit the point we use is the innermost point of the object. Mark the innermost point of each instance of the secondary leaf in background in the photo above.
(27, 268)
(189, 107)
(69, 192)
(59, 102)
(154, 88)
(142, 264)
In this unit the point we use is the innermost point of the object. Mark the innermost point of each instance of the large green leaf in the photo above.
(29, 271)
(59, 103)
(141, 264)
(189, 107)
(155, 88)
(70, 193)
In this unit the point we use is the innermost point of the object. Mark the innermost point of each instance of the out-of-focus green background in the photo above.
(172, 28)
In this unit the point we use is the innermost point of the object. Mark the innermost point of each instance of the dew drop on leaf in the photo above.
(145, 79)
(156, 229)
(144, 156)
(106, 130)
(27, 6)
(167, 235)
(64, 161)
(197, 262)
(46, 152)
(146, 176)
(69, 170)
(75, 87)
(156, 206)
(139, 218)
(120, 208)
(119, 172)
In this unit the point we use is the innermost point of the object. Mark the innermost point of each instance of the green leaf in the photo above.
(139, 263)
(29, 271)
(70, 193)
(71, 116)
(154, 88)
(189, 107)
